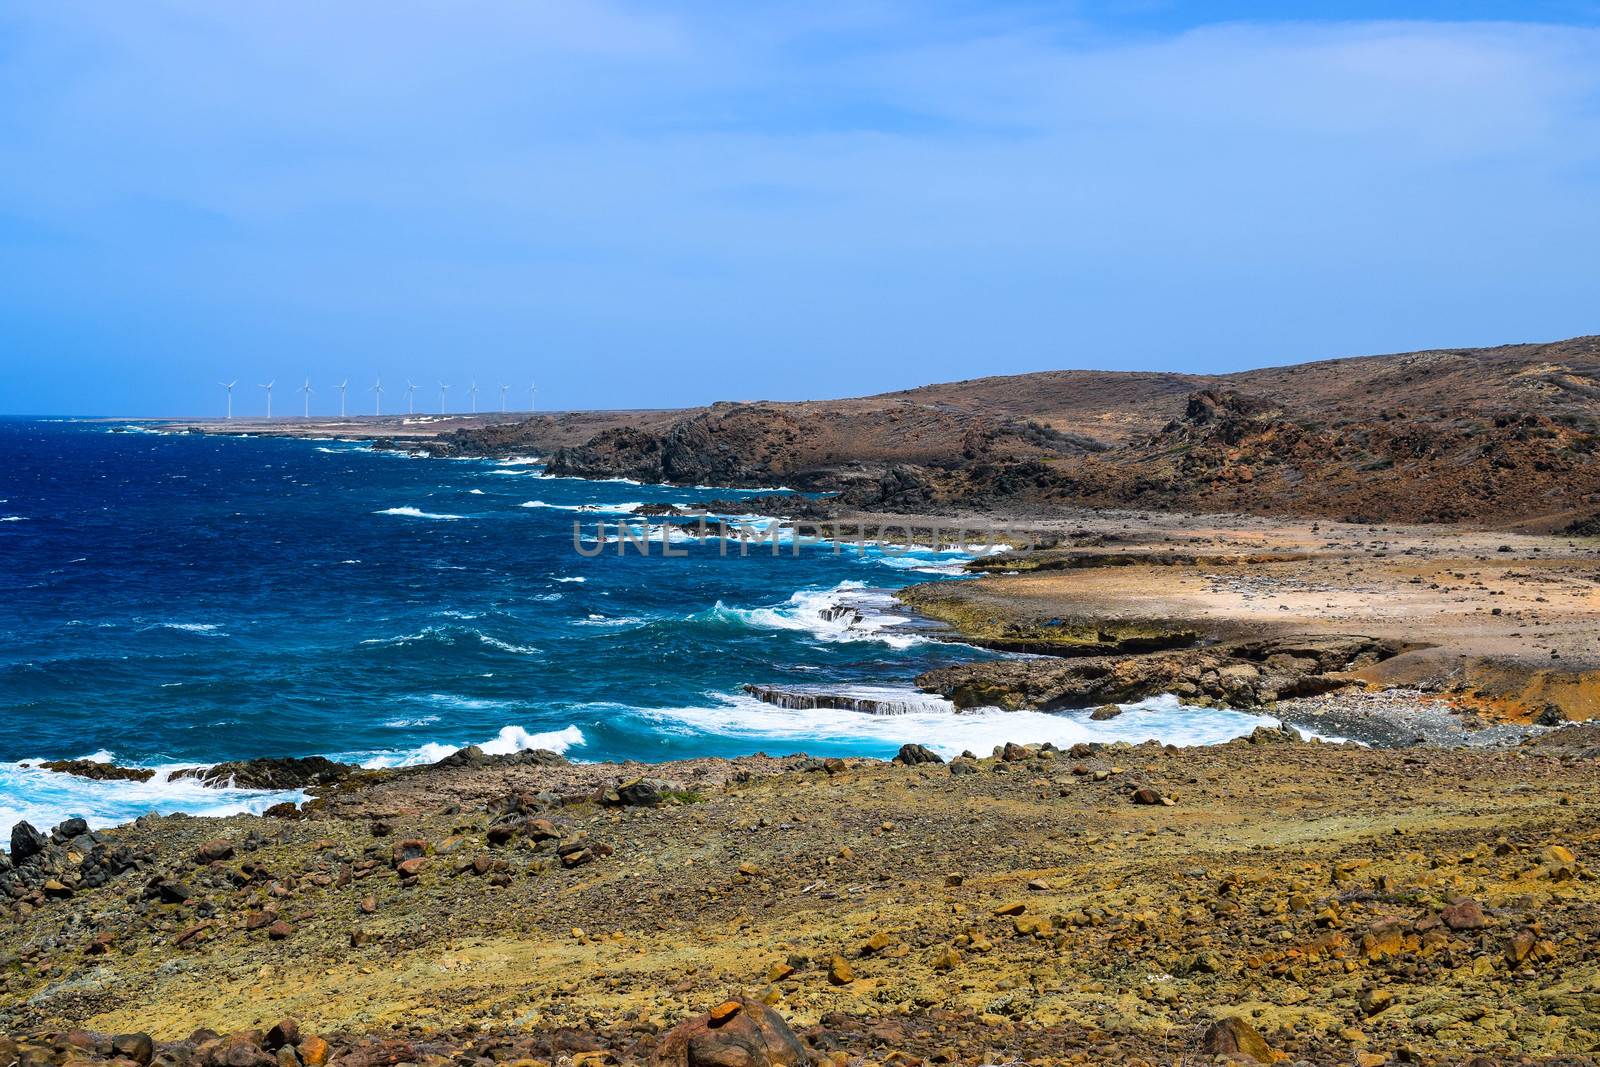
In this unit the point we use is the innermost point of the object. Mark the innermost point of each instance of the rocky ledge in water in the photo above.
(865, 699)
(1237, 674)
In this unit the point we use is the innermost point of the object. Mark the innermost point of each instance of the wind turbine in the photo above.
(503, 390)
(268, 388)
(342, 386)
(442, 388)
(377, 397)
(306, 389)
(411, 395)
(229, 387)
(533, 396)
(473, 390)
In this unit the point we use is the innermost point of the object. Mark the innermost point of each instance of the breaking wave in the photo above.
(510, 739)
(416, 513)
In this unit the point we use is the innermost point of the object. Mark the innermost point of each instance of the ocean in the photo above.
(181, 599)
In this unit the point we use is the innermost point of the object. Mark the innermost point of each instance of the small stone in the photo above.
(724, 1011)
(1104, 712)
(946, 959)
(839, 971)
(1146, 795)
(1016, 907)
(876, 943)
(279, 930)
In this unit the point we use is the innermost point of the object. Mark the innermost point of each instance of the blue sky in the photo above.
(668, 204)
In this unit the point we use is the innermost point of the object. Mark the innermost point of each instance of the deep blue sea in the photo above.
(184, 599)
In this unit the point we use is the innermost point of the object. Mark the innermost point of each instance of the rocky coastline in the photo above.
(1272, 899)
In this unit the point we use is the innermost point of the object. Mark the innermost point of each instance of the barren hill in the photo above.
(1494, 436)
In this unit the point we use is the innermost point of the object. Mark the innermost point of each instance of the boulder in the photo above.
(738, 1033)
(136, 1047)
(1104, 712)
(26, 842)
(643, 792)
(212, 851)
(1464, 915)
(471, 756)
(1233, 1036)
(911, 755)
(68, 830)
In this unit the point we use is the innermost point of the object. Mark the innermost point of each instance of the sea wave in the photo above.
(416, 513)
(46, 798)
(848, 611)
(510, 739)
(204, 629)
(950, 733)
(13, 518)
(450, 635)
(626, 508)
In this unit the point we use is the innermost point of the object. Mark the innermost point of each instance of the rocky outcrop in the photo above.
(100, 772)
(48, 867)
(1235, 674)
(288, 772)
(842, 700)
(742, 1032)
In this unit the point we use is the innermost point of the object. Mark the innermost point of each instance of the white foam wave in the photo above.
(847, 612)
(46, 798)
(13, 518)
(572, 579)
(203, 629)
(406, 724)
(518, 461)
(510, 739)
(416, 513)
(949, 732)
(626, 508)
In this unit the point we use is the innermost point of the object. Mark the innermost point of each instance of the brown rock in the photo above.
(257, 920)
(136, 1047)
(1464, 915)
(753, 1036)
(1145, 795)
(313, 1051)
(412, 867)
(213, 851)
(1235, 1037)
(947, 959)
(279, 930)
(839, 971)
(286, 1032)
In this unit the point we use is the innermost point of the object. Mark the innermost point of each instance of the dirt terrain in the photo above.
(1119, 904)
(1499, 625)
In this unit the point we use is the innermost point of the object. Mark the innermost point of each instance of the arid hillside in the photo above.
(1498, 437)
